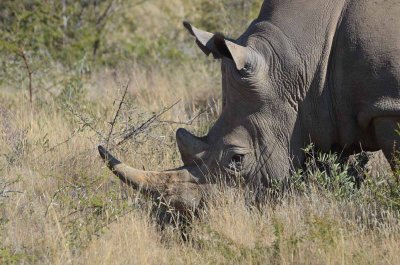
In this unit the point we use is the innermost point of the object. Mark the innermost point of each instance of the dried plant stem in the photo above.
(145, 124)
(84, 121)
(29, 70)
(117, 112)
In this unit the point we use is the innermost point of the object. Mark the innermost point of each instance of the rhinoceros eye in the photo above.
(245, 71)
(236, 163)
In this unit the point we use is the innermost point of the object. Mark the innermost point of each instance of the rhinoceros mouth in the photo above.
(179, 187)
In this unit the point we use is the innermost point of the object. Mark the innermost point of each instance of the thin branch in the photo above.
(104, 14)
(146, 124)
(4, 193)
(117, 112)
(85, 123)
(188, 122)
(75, 133)
(29, 70)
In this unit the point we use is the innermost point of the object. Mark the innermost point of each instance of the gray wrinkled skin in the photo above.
(307, 70)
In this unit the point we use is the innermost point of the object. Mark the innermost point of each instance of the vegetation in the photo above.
(60, 205)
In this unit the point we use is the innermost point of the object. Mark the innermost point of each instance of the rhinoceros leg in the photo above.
(388, 138)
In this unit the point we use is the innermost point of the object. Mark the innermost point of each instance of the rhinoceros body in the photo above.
(319, 71)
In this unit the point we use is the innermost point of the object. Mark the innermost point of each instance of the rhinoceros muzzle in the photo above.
(179, 188)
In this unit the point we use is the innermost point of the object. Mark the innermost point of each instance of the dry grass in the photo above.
(65, 207)
(60, 205)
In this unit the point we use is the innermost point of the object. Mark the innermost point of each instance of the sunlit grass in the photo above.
(64, 206)
(59, 204)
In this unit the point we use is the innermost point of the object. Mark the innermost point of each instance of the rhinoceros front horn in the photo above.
(179, 187)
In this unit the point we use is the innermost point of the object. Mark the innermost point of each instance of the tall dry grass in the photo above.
(65, 207)
(59, 204)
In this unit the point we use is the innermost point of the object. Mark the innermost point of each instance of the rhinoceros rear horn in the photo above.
(218, 45)
(190, 146)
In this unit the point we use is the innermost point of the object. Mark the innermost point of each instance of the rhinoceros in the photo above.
(319, 71)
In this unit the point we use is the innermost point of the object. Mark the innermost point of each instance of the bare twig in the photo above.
(4, 192)
(117, 112)
(188, 122)
(134, 131)
(104, 14)
(74, 133)
(29, 70)
(100, 24)
(85, 122)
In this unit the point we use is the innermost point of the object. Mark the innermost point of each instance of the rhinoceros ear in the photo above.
(204, 39)
(231, 50)
(218, 45)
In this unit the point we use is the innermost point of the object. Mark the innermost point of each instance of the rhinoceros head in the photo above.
(251, 138)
